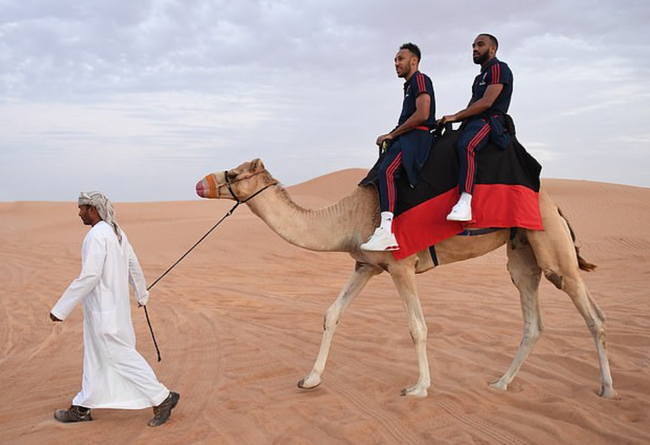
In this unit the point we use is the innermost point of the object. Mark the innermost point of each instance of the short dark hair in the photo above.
(412, 47)
(493, 39)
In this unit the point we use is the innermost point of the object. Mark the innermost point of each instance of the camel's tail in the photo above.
(582, 263)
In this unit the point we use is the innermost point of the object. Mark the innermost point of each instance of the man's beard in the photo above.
(481, 58)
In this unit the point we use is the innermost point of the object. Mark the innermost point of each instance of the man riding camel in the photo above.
(483, 119)
(408, 144)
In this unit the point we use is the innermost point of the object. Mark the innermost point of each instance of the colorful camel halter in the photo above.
(232, 192)
(214, 187)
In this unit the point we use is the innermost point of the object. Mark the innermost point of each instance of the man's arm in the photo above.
(136, 278)
(422, 110)
(478, 107)
(91, 272)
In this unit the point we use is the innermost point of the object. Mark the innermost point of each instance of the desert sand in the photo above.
(239, 322)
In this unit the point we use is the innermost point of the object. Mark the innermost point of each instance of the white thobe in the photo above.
(115, 375)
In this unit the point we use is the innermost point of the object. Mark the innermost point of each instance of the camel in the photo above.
(345, 225)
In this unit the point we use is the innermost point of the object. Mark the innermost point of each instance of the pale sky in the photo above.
(140, 99)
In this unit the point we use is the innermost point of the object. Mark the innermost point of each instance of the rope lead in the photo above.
(230, 212)
(146, 313)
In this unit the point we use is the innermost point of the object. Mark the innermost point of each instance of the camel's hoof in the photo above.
(414, 392)
(607, 392)
(498, 384)
(303, 385)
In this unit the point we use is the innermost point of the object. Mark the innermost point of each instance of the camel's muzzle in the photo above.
(200, 189)
(207, 187)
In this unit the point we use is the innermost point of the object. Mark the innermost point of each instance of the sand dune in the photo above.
(239, 323)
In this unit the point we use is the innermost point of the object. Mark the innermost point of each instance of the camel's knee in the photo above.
(597, 329)
(533, 331)
(332, 318)
(418, 333)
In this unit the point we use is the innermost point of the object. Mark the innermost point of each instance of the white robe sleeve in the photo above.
(92, 265)
(136, 278)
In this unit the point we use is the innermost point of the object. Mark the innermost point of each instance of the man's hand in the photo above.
(54, 318)
(450, 118)
(474, 108)
(384, 137)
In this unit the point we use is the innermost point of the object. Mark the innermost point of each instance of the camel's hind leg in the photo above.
(526, 275)
(362, 274)
(557, 257)
(575, 287)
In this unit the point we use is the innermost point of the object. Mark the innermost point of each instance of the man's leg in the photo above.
(133, 367)
(387, 186)
(474, 136)
(383, 238)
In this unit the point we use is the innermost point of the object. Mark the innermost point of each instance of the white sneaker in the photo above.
(461, 212)
(381, 241)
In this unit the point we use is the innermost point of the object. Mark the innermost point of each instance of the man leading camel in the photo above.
(483, 119)
(408, 144)
(115, 375)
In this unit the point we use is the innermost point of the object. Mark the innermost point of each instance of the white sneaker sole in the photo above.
(458, 218)
(387, 249)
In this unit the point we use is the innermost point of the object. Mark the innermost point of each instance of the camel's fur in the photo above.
(344, 226)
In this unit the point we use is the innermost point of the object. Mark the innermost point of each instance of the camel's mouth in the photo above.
(201, 189)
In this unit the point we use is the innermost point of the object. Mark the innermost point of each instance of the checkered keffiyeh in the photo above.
(104, 207)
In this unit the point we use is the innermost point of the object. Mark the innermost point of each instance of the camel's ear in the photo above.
(257, 165)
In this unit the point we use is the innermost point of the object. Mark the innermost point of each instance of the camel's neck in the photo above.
(337, 228)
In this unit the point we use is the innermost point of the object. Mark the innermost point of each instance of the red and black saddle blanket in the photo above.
(506, 194)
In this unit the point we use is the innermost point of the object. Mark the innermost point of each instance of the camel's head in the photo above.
(239, 184)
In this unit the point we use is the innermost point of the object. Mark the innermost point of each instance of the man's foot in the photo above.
(381, 241)
(461, 212)
(162, 412)
(73, 414)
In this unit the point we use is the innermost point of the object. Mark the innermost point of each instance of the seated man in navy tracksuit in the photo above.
(483, 119)
(409, 142)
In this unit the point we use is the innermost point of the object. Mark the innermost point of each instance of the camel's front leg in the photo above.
(404, 279)
(358, 280)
